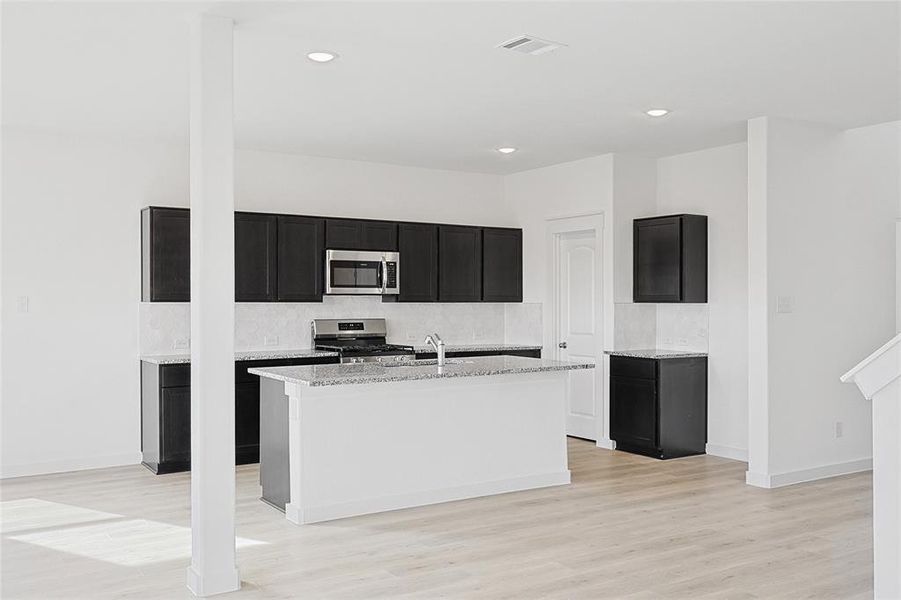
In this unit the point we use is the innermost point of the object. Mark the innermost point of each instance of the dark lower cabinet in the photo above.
(658, 407)
(459, 263)
(255, 257)
(166, 413)
(418, 246)
(502, 265)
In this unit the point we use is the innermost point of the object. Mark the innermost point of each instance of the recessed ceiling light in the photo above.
(322, 57)
(657, 112)
(506, 150)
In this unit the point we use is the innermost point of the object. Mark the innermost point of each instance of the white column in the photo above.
(213, 569)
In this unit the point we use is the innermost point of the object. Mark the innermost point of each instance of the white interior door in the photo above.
(578, 316)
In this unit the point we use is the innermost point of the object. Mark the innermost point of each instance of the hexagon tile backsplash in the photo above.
(166, 328)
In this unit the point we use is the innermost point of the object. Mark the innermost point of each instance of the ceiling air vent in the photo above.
(527, 44)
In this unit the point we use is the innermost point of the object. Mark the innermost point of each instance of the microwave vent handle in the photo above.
(384, 274)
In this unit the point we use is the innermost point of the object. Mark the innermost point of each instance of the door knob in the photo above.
(561, 345)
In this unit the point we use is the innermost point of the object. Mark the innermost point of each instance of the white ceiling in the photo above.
(422, 83)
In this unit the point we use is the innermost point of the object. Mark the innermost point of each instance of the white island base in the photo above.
(367, 448)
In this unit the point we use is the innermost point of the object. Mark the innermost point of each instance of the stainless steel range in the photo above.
(358, 340)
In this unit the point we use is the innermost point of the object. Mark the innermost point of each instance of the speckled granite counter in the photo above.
(476, 348)
(174, 359)
(655, 353)
(355, 374)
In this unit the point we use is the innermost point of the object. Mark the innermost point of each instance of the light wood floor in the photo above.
(627, 527)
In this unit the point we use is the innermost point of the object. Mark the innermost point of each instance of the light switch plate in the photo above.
(785, 304)
(22, 304)
(182, 343)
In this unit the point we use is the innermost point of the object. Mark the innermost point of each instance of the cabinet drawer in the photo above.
(175, 375)
(626, 366)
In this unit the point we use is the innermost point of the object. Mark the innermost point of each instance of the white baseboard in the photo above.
(605, 443)
(729, 452)
(70, 464)
(314, 514)
(775, 480)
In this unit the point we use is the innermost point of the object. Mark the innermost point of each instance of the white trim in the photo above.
(730, 452)
(776, 480)
(71, 464)
(606, 443)
(555, 227)
(315, 514)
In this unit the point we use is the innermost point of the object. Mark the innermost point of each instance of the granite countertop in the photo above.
(655, 353)
(174, 359)
(355, 374)
(185, 357)
(476, 348)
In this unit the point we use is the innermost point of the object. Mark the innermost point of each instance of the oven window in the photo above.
(354, 274)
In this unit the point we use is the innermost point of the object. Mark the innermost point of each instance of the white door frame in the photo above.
(556, 227)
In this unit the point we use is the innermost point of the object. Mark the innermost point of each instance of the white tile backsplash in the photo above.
(634, 326)
(682, 327)
(287, 325)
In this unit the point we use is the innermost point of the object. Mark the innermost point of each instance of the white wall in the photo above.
(822, 209)
(71, 244)
(713, 182)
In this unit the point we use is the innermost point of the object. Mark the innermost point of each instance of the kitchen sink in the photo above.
(425, 363)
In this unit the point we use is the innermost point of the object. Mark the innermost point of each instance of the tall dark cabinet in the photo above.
(165, 255)
(670, 259)
(658, 406)
(418, 246)
(459, 263)
(501, 265)
(255, 257)
(301, 253)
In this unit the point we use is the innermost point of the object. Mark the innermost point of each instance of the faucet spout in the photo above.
(438, 344)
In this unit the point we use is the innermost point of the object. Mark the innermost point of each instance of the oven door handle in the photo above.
(384, 274)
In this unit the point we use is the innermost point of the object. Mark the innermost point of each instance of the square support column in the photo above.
(213, 569)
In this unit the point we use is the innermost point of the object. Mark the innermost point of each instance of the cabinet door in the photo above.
(343, 234)
(459, 264)
(633, 411)
(247, 422)
(657, 272)
(378, 235)
(167, 255)
(175, 424)
(502, 265)
(355, 234)
(418, 244)
(301, 251)
(255, 257)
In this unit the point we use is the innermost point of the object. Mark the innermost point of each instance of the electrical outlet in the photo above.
(270, 340)
(785, 304)
(412, 337)
(839, 429)
(683, 342)
(182, 343)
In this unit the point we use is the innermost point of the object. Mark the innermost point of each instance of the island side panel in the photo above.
(274, 465)
(370, 448)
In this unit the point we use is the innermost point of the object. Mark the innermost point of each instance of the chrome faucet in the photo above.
(437, 343)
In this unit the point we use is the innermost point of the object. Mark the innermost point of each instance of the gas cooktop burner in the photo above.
(364, 348)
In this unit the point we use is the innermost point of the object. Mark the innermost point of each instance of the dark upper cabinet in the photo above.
(502, 265)
(658, 407)
(459, 263)
(353, 234)
(255, 257)
(670, 259)
(418, 246)
(165, 255)
(301, 251)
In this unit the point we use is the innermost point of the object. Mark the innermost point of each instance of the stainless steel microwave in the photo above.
(362, 272)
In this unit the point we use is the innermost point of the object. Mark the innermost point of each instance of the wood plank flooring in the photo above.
(627, 527)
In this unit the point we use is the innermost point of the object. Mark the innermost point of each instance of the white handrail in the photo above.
(877, 370)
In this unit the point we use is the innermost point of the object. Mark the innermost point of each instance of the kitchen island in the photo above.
(351, 439)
